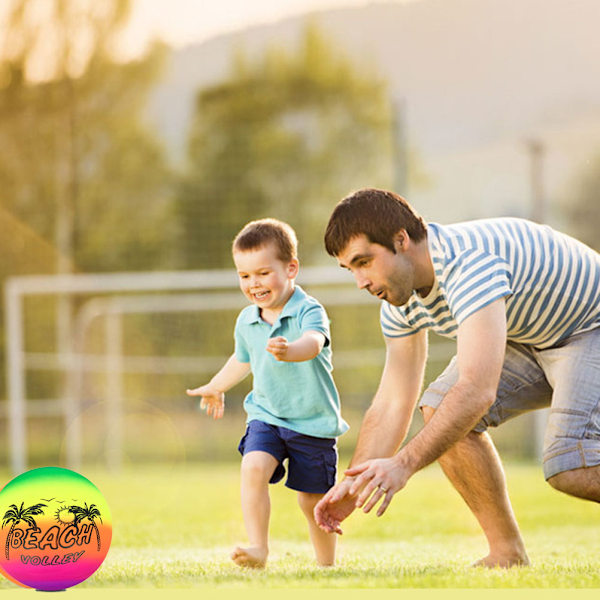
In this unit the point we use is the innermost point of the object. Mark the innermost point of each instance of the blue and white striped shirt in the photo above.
(551, 282)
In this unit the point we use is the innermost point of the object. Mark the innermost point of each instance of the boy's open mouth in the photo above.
(261, 295)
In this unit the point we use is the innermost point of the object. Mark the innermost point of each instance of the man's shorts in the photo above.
(312, 461)
(565, 377)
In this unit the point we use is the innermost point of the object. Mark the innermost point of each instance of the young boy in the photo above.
(293, 409)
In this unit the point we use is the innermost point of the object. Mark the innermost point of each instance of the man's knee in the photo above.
(427, 412)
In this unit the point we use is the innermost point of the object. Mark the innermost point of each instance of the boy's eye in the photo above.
(265, 273)
(243, 276)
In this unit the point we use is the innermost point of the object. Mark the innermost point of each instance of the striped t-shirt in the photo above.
(551, 282)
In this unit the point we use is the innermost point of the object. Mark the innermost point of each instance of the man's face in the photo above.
(377, 269)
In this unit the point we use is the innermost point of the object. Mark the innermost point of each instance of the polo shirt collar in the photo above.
(289, 309)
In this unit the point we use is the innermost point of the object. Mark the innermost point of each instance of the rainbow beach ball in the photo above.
(55, 531)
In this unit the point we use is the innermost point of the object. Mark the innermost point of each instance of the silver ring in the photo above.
(383, 489)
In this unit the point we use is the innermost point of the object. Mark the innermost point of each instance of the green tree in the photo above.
(285, 136)
(77, 164)
(84, 184)
(583, 211)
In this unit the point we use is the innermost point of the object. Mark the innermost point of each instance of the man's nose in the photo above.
(362, 282)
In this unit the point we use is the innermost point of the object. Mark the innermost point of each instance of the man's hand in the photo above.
(278, 347)
(213, 400)
(335, 506)
(376, 479)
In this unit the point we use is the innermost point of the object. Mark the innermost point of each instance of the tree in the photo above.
(83, 182)
(91, 513)
(583, 211)
(14, 515)
(77, 163)
(286, 136)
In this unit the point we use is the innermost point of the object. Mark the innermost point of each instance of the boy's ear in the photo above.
(293, 268)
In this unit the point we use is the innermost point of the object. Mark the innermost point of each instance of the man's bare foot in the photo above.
(504, 562)
(253, 557)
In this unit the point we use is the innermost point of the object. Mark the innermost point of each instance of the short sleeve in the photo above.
(314, 318)
(393, 322)
(474, 280)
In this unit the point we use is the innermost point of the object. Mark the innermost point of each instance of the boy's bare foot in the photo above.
(253, 557)
(504, 562)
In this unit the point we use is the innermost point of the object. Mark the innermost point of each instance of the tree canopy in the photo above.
(286, 136)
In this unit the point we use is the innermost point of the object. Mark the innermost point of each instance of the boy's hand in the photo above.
(278, 347)
(213, 400)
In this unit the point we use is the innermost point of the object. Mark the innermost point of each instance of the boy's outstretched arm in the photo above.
(213, 393)
(305, 347)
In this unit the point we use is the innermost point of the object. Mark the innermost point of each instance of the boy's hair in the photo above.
(257, 234)
(378, 214)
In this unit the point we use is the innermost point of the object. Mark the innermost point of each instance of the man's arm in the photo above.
(481, 345)
(385, 423)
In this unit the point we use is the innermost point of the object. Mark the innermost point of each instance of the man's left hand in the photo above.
(378, 478)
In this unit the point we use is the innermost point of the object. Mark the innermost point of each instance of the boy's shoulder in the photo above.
(247, 315)
(300, 302)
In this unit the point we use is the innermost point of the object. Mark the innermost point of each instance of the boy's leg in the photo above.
(257, 469)
(323, 543)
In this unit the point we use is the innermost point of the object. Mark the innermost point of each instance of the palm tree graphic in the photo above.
(90, 513)
(15, 515)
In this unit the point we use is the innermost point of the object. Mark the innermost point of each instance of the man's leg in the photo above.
(572, 439)
(474, 469)
(582, 483)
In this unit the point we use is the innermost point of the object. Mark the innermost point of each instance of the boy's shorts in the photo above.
(312, 461)
(565, 377)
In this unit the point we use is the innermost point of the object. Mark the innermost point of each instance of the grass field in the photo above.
(174, 527)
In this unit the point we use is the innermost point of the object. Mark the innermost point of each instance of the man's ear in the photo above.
(401, 240)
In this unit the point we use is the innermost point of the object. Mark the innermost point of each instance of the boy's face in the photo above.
(265, 279)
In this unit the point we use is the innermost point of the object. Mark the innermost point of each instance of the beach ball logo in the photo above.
(55, 531)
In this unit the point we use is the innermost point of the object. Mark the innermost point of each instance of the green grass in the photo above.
(174, 528)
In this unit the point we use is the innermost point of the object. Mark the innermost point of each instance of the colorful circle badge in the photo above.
(55, 531)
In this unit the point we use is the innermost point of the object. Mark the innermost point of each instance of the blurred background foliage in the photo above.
(87, 185)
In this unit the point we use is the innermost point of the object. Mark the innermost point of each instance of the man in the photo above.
(523, 302)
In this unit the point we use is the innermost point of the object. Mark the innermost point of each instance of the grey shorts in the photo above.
(565, 377)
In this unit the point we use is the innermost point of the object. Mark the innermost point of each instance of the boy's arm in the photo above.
(305, 347)
(213, 393)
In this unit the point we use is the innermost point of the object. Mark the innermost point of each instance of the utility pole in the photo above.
(537, 151)
(400, 147)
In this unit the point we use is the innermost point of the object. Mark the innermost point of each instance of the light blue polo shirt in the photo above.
(298, 395)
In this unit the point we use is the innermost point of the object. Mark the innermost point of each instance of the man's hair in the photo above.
(257, 234)
(378, 214)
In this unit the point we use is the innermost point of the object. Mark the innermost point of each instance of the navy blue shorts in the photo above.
(311, 460)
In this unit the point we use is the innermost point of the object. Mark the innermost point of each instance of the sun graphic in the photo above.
(64, 516)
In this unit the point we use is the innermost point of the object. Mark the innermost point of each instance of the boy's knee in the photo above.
(308, 502)
(258, 467)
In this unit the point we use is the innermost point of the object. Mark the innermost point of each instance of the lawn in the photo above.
(174, 527)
